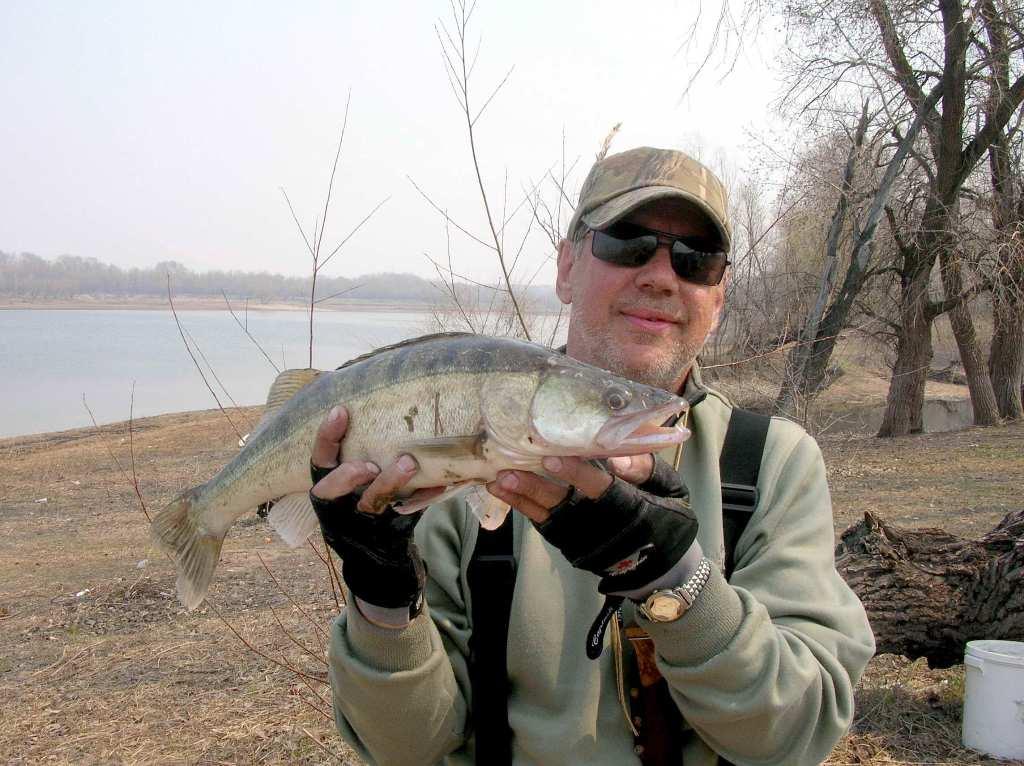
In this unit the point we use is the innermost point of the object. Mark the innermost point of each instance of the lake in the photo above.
(52, 358)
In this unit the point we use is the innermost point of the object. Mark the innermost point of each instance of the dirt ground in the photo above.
(100, 664)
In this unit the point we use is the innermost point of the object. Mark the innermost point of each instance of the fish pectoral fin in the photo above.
(470, 445)
(414, 503)
(195, 551)
(293, 518)
(489, 510)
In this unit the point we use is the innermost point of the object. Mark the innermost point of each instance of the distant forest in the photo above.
(27, 277)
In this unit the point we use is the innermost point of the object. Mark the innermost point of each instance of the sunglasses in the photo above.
(694, 259)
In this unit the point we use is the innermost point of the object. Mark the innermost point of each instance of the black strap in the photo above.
(739, 466)
(492, 578)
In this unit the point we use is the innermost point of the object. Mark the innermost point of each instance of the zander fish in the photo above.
(464, 406)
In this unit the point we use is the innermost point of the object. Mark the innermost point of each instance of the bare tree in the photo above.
(314, 243)
(903, 51)
(1006, 352)
(832, 308)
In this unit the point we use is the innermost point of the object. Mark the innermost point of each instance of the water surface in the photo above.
(51, 358)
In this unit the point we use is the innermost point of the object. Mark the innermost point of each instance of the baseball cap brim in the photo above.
(614, 209)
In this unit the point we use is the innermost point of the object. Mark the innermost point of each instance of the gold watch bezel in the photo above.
(664, 606)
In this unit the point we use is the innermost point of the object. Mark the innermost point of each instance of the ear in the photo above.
(566, 261)
(719, 301)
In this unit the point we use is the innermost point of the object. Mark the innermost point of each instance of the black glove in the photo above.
(664, 481)
(628, 536)
(381, 564)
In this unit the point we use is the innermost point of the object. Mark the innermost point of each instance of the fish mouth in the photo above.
(644, 431)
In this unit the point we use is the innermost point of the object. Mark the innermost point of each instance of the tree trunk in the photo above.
(1006, 354)
(983, 397)
(905, 402)
(927, 593)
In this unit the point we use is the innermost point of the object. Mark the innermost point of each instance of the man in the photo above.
(761, 667)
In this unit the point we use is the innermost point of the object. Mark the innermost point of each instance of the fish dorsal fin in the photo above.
(284, 387)
(287, 384)
(404, 344)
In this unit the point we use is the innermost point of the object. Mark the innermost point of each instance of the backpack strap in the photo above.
(739, 466)
(491, 577)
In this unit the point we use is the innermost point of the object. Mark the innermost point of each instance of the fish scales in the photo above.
(464, 406)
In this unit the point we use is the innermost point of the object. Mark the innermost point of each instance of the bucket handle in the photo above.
(975, 663)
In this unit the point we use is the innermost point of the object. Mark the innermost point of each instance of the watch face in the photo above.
(665, 608)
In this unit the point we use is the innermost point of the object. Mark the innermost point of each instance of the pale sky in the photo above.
(135, 132)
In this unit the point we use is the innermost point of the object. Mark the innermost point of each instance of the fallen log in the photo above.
(927, 592)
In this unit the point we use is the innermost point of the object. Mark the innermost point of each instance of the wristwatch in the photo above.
(671, 604)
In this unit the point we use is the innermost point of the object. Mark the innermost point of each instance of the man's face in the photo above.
(644, 323)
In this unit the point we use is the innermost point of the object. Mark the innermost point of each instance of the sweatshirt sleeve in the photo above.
(400, 695)
(776, 652)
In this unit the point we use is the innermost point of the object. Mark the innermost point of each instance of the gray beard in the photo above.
(591, 345)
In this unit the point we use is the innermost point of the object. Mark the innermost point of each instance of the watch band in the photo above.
(670, 604)
(695, 584)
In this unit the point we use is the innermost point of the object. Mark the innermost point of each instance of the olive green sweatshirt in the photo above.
(762, 667)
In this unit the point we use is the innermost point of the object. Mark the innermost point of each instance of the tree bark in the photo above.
(983, 396)
(927, 593)
(1006, 354)
(905, 402)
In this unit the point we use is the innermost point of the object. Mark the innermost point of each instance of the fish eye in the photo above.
(616, 398)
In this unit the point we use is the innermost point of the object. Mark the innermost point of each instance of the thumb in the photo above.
(636, 469)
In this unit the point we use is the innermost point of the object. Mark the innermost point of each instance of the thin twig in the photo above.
(110, 451)
(181, 331)
(245, 329)
(290, 598)
(321, 744)
(436, 207)
(213, 372)
(340, 292)
(334, 169)
(298, 225)
(288, 634)
(358, 226)
(254, 650)
(330, 570)
(131, 453)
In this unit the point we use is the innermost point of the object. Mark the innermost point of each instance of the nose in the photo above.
(657, 276)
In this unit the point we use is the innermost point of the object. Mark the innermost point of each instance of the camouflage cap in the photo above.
(621, 183)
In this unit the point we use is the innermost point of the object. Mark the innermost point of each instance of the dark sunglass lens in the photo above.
(623, 252)
(696, 266)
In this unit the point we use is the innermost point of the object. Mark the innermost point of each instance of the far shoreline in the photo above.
(191, 303)
(187, 303)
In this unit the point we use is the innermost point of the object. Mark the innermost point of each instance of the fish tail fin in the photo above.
(194, 550)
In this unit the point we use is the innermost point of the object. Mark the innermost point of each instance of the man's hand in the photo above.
(628, 535)
(381, 564)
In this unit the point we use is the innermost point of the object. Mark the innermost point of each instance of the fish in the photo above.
(464, 406)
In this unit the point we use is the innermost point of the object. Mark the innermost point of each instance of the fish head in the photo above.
(576, 409)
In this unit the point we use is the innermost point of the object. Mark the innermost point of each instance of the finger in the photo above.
(636, 469)
(327, 445)
(383, 489)
(529, 486)
(344, 479)
(587, 478)
(521, 503)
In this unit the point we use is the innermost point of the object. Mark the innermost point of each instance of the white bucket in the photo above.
(994, 698)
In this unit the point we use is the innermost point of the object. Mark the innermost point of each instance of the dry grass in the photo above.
(99, 663)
